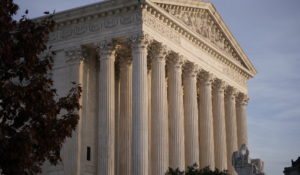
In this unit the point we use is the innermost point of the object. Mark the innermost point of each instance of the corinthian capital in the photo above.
(190, 69)
(175, 60)
(123, 54)
(105, 44)
(230, 92)
(219, 85)
(206, 77)
(75, 54)
(139, 40)
(242, 99)
(106, 48)
(157, 52)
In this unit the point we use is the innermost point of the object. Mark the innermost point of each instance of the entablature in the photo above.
(97, 20)
(111, 16)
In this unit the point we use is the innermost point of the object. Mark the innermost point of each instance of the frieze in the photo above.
(161, 28)
(201, 22)
(111, 22)
(102, 24)
(235, 76)
(94, 27)
(80, 29)
(127, 20)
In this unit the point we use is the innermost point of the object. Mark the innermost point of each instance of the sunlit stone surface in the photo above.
(164, 85)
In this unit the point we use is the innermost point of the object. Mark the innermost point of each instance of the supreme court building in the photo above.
(164, 85)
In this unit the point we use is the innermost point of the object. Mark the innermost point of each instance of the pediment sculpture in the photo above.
(200, 21)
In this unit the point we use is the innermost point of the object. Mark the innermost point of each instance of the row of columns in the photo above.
(184, 129)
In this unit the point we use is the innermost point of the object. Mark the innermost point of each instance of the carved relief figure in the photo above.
(186, 18)
(204, 28)
(202, 23)
(197, 23)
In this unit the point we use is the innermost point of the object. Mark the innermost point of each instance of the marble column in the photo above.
(140, 154)
(241, 118)
(231, 128)
(176, 118)
(117, 113)
(219, 125)
(106, 159)
(149, 109)
(72, 149)
(191, 115)
(125, 120)
(206, 122)
(159, 118)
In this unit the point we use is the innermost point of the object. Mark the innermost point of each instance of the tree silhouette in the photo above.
(194, 170)
(34, 121)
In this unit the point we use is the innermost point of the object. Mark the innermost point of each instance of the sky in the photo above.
(268, 31)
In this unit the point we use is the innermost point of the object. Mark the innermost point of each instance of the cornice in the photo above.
(187, 3)
(95, 22)
(194, 38)
(91, 12)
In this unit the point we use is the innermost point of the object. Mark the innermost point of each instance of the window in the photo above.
(88, 153)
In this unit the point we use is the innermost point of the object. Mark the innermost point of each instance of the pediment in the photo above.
(202, 18)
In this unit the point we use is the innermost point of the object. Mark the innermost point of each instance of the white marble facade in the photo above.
(164, 85)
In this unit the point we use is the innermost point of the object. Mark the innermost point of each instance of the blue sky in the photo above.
(268, 31)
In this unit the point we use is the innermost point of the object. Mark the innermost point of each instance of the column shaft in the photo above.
(140, 125)
(176, 120)
(149, 111)
(231, 127)
(219, 125)
(191, 116)
(241, 119)
(159, 119)
(125, 120)
(106, 159)
(206, 122)
(117, 118)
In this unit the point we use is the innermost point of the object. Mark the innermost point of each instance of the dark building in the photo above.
(294, 169)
